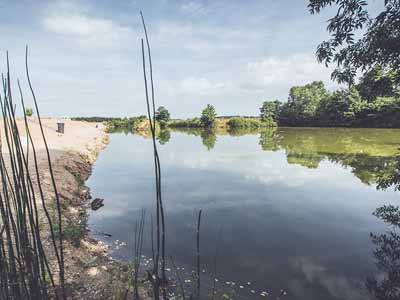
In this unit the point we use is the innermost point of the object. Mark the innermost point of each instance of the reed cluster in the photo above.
(27, 218)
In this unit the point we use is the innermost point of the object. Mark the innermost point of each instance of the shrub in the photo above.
(29, 112)
(239, 122)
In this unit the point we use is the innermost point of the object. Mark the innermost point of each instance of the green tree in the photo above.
(342, 108)
(269, 112)
(208, 116)
(377, 83)
(385, 112)
(379, 42)
(303, 102)
(162, 116)
(29, 112)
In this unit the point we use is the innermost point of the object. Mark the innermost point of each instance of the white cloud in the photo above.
(86, 30)
(172, 29)
(193, 8)
(200, 86)
(297, 69)
(339, 286)
(218, 52)
(207, 40)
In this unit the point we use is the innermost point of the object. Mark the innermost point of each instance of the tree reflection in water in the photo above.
(208, 137)
(386, 284)
(373, 163)
(163, 136)
(368, 153)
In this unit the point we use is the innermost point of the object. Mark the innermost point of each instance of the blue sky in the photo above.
(85, 55)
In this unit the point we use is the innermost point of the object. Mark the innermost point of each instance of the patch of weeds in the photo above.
(77, 175)
(94, 152)
(73, 231)
(105, 140)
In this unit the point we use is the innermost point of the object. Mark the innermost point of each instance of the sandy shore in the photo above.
(82, 137)
(90, 273)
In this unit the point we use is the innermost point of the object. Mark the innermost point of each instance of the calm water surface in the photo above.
(295, 205)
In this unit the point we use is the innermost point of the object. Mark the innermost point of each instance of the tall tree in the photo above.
(341, 108)
(208, 116)
(379, 43)
(377, 83)
(300, 110)
(162, 116)
(269, 112)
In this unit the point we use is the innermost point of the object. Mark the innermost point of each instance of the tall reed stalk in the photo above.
(158, 267)
(138, 245)
(25, 270)
(198, 254)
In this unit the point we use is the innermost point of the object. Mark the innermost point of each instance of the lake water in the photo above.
(295, 206)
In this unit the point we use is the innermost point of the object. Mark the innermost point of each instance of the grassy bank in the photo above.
(140, 123)
(222, 122)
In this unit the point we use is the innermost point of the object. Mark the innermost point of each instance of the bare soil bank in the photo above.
(90, 273)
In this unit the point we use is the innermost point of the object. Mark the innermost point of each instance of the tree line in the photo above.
(373, 102)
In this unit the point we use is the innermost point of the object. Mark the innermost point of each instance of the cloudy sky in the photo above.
(85, 55)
